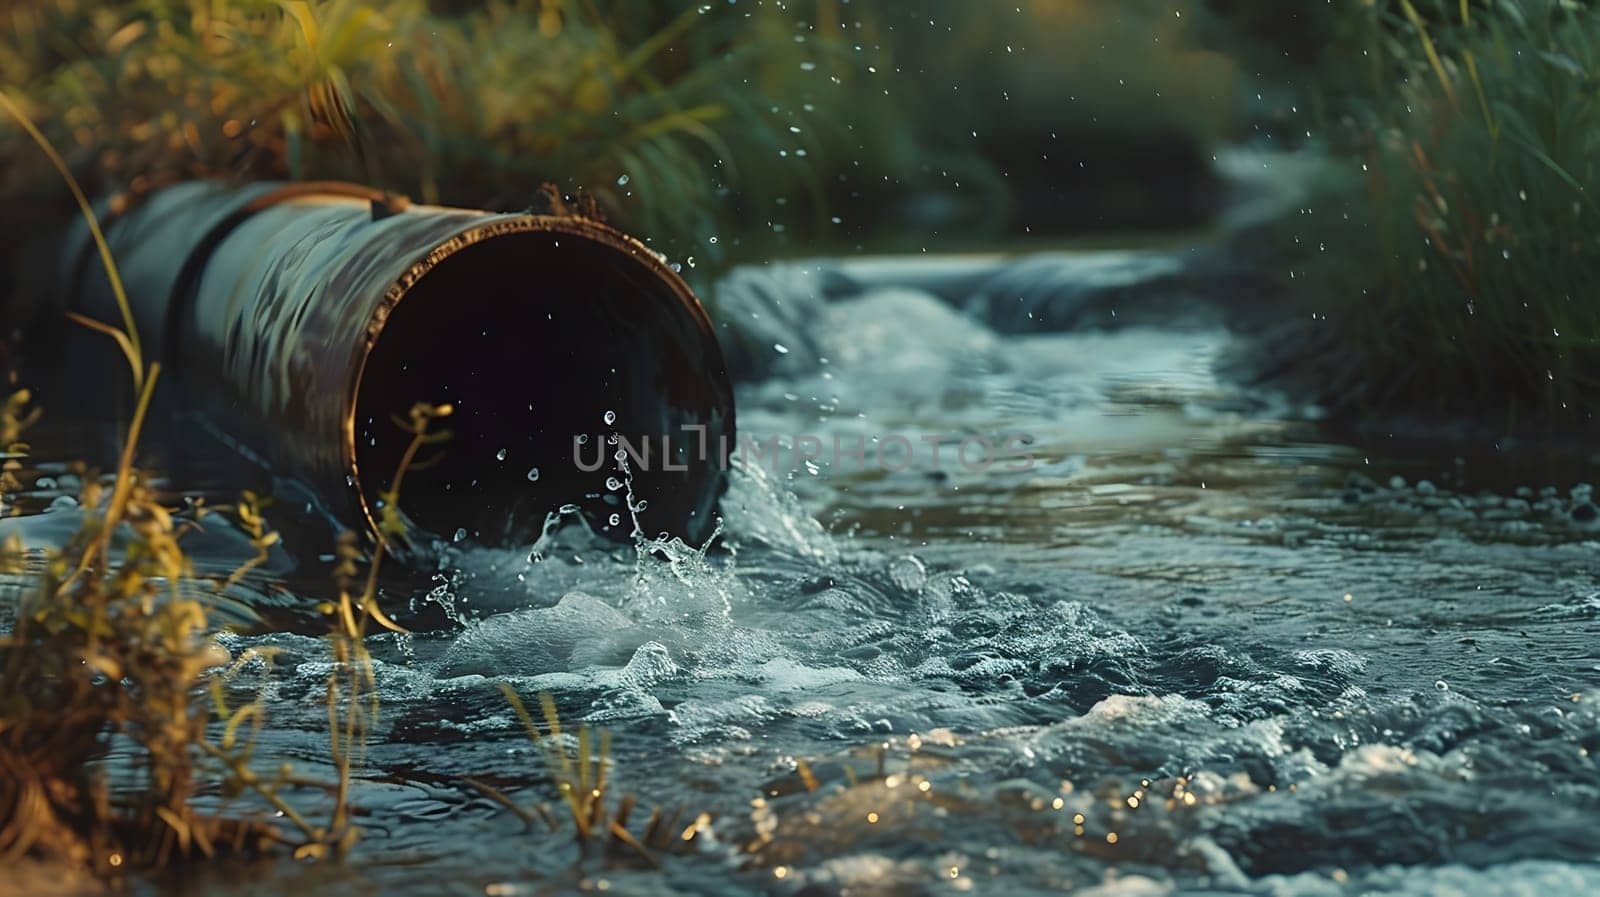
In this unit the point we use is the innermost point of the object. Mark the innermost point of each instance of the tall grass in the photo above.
(587, 791)
(114, 641)
(713, 130)
(674, 127)
(1458, 274)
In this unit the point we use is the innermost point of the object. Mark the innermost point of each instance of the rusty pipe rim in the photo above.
(574, 226)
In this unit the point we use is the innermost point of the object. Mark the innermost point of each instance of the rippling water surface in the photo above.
(1193, 648)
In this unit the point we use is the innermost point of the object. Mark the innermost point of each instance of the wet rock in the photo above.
(760, 309)
(767, 316)
(1063, 291)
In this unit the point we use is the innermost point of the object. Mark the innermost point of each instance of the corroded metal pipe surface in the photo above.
(301, 319)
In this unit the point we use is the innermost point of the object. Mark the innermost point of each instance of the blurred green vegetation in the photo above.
(718, 130)
(1065, 116)
(477, 108)
(1454, 255)
(1457, 257)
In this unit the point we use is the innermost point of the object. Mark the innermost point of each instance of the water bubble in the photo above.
(533, 474)
(641, 505)
(583, 438)
(781, 348)
(909, 573)
(622, 181)
(500, 455)
(610, 418)
(616, 519)
(613, 483)
(460, 534)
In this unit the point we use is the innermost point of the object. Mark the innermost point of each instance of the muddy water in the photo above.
(1176, 642)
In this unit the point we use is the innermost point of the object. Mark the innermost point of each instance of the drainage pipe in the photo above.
(301, 319)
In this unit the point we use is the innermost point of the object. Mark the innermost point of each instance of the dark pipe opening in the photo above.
(534, 337)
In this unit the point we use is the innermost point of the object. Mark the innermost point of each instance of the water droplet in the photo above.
(622, 181)
(616, 519)
(610, 418)
(533, 474)
(500, 455)
(613, 483)
(781, 348)
(460, 534)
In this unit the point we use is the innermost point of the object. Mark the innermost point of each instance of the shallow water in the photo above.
(1193, 647)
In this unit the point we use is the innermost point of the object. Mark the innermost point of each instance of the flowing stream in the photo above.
(1178, 641)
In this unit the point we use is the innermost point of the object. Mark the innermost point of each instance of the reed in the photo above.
(587, 791)
(655, 110)
(107, 668)
(1475, 150)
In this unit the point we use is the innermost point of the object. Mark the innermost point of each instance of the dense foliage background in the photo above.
(1441, 262)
